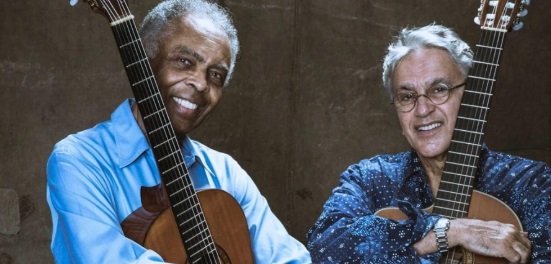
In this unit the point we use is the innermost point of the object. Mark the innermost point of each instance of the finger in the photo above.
(525, 240)
(523, 252)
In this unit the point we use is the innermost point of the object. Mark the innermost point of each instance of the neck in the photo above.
(433, 168)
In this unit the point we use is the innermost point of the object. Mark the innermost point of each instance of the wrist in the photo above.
(441, 234)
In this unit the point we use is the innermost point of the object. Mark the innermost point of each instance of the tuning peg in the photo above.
(73, 2)
(477, 20)
(518, 26)
(522, 13)
(525, 2)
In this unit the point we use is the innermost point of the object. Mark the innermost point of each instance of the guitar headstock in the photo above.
(501, 14)
(115, 11)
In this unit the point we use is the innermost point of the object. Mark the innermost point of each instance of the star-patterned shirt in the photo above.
(348, 231)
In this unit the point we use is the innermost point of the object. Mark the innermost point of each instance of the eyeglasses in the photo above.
(438, 94)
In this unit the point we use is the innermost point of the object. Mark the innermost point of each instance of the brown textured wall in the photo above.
(306, 100)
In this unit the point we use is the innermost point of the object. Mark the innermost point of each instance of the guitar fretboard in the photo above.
(183, 198)
(461, 166)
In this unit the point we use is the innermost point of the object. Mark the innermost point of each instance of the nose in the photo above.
(423, 105)
(197, 80)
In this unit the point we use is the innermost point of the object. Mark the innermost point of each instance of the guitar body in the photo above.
(157, 229)
(226, 222)
(484, 207)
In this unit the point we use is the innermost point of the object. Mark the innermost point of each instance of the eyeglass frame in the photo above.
(428, 97)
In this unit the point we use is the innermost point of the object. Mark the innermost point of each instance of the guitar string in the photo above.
(157, 106)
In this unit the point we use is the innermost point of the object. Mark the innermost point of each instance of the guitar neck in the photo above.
(183, 198)
(461, 166)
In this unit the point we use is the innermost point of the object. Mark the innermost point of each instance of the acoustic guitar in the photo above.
(181, 224)
(456, 197)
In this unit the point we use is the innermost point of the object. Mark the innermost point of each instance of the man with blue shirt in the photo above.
(424, 72)
(95, 176)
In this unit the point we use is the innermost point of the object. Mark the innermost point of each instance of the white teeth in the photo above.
(185, 103)
(429, 127)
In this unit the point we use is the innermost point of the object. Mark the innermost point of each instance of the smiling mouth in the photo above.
(185, 103)
(429, 127)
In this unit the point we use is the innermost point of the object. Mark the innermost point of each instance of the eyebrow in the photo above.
(186, 50)
(429, 83)
(198, 57)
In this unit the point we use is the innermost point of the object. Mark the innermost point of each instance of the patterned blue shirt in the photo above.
(94, 182)
(348, 231)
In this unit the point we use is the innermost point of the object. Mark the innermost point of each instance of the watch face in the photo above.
(442, 223)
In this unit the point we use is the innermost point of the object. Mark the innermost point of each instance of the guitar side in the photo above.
(484, 207)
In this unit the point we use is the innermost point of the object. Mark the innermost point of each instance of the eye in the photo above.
(184, 62)
(406, 97)
(439, 89)
(217, 77)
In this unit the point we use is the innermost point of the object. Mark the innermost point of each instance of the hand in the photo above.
(490, 238)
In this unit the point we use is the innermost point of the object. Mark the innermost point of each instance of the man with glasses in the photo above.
(425, 72)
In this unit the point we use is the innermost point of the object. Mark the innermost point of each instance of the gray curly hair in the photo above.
(152, 27)
(430, 36)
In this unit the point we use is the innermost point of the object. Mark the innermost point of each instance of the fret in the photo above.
(481, 78)
(195, 235)
(476, 106)
(478, 93)
(450, 209)
(169, 155)
(489, 47)
(177, 192)
(454, 183)
(140, 61)
(158, 128)
(200, 250)
(454, 193)
(175, 179)
(466, 143)
(206, 247)
(471, 119)
(189, 219)
(453, 202)
(468, 131)
(486, 63)
(465, 165)
(173, 167)
(147, 98)
(154, 113)
(132, 42)
(463, 154)
(187, 209)
(142, 80)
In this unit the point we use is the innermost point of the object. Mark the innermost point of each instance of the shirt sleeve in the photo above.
(270, 240)
(85, 227)
(348, 231)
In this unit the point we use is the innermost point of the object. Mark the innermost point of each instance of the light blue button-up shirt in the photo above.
(94, 181)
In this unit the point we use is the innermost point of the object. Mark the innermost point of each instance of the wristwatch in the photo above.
(440, 230)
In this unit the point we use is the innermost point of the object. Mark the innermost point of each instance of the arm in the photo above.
(488, 238)
(86, 227)
(270, 240)
(348, 230)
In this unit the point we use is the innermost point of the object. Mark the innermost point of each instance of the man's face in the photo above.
(428, 127)
(190, 68)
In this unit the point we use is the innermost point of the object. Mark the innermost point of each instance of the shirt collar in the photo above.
(412, 165)
(131, 142)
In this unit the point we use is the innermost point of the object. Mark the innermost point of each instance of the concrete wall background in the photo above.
(306, 100)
